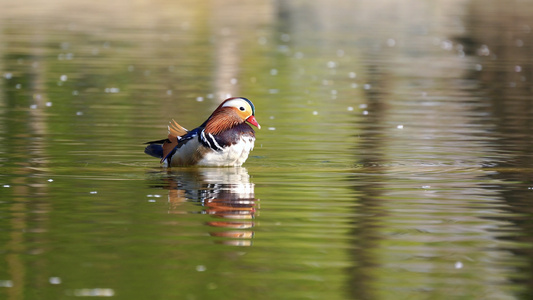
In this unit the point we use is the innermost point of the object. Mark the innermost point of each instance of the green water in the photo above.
(394, 159)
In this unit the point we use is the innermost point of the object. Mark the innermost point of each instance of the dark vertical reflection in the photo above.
(367, 183)
(505, 69)
(25, 129)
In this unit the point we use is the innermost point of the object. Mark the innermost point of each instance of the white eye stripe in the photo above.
(237, 103)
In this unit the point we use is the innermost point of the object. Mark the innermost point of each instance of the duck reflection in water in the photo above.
(224, 193)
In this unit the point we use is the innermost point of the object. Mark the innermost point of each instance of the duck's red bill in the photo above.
(253, 121)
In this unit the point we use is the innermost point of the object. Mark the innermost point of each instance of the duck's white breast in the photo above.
(234, 155)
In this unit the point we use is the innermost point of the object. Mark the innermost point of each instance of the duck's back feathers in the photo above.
(164, 148)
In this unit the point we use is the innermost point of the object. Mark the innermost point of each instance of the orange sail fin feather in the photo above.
(175, 131)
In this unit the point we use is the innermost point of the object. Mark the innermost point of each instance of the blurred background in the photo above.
(395, 159)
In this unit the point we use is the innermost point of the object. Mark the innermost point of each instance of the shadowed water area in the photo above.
(395, 158)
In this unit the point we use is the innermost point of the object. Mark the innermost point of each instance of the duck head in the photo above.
(231, 112)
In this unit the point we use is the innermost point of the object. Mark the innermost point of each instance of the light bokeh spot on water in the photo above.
(394, 162)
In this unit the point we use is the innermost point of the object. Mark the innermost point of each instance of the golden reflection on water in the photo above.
(226, 194)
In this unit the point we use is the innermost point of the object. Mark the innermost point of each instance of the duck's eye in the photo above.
(242, 108)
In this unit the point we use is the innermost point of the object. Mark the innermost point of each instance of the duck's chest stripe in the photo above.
(210, 141)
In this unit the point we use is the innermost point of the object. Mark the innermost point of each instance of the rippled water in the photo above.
(394, 162)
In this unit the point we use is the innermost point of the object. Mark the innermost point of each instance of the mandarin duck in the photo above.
(224, 139)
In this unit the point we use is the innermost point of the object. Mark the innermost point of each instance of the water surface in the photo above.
(394, 160)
